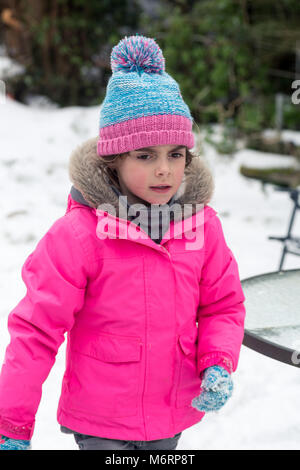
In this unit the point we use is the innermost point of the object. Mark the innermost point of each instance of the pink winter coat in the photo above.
(142, 319)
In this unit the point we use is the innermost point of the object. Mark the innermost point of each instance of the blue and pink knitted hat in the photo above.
(143, 105)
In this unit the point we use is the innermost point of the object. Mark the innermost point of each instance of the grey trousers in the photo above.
(85, 442)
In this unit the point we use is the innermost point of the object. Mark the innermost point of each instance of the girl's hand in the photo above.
(6, 443)
(217, 387)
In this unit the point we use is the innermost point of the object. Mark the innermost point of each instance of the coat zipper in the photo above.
(169, 255)
(146, 358)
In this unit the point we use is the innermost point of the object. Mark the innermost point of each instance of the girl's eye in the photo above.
(178, 155)
(141, 157)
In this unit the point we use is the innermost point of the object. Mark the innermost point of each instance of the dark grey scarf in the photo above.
(154, 219)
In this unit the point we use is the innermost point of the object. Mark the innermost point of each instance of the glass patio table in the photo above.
(272, 324)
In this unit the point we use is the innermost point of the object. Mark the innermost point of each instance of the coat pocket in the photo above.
(104, 373)
(189, 382)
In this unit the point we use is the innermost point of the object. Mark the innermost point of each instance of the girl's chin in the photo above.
(158, 200)
(152, 199)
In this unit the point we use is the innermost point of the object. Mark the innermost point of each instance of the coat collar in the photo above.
(91, 183)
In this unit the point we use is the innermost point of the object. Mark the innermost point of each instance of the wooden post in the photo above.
(279, 97)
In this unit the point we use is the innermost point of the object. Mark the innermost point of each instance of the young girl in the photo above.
(139, 275)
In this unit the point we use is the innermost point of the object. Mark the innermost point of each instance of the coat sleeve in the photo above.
(55, 277)
(221, 311)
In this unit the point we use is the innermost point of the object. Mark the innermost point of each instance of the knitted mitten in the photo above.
(217, 387)
(6, 443)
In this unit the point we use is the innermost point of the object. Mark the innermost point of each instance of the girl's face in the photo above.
(144, 169)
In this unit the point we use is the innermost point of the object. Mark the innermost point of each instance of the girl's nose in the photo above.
(162, 169)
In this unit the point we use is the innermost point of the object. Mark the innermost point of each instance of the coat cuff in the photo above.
(9, 429)
(215, 359)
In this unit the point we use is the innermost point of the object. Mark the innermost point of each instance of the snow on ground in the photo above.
(35, 147)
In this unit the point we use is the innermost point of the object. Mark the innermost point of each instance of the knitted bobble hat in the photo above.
(143, 105)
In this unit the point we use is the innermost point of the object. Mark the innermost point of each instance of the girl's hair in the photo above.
(107, 165)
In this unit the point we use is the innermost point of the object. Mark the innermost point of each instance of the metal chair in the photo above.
(291, 244)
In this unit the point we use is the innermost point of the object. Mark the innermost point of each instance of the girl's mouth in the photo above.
(161, 188)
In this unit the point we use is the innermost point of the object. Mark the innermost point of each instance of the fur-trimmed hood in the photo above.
(88, 178)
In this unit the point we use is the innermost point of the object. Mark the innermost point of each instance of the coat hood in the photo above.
(88, 178)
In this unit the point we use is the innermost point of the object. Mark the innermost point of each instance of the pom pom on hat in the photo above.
(137, 54)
